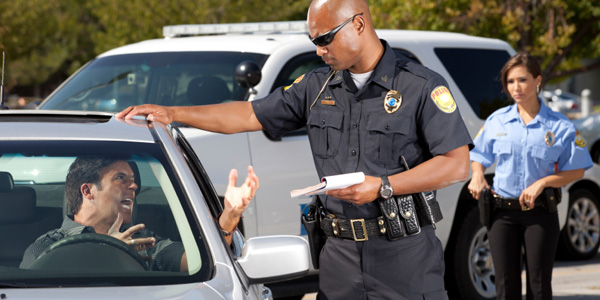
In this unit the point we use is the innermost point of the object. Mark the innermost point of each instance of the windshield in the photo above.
(113, 83)
(52, 195)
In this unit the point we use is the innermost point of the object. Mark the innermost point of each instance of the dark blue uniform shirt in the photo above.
(356, 133)
(350, 130)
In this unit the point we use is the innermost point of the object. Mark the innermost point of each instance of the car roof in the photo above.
(268, 43)
(71, 125)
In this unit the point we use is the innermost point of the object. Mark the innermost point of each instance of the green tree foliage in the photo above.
(47, 40)
(558, 32)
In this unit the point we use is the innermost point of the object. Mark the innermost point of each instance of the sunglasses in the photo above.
(327, 37)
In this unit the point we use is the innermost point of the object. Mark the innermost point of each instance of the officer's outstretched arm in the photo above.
(231, 117)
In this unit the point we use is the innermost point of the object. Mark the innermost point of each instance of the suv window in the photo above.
(169, 78)
(477, 74)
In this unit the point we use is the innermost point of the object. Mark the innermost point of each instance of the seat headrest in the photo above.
(18, 205)
(6, 182)
(208, 90)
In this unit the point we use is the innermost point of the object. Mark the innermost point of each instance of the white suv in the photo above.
(186, 69)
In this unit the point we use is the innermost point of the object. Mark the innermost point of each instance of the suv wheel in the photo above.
(473, 260)
(580, 237)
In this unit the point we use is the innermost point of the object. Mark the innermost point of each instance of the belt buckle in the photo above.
(364, 228)
(525, 208)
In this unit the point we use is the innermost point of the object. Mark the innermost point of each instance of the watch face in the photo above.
(386, 192)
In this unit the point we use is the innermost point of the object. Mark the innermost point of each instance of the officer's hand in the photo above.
(152, 112)
(359, 194)
(527, 198)
(476, 186)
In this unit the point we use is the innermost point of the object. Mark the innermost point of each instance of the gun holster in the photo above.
(486, 207)
(551, 197)
(311, 220)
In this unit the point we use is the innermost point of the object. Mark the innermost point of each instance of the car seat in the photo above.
(207, 90)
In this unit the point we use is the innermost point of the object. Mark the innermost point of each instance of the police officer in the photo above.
(537, 149)
(364, 113)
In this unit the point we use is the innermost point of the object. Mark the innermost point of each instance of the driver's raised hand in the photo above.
(151, 111)
(126, 236)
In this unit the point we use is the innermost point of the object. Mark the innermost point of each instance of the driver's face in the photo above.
(116, 192)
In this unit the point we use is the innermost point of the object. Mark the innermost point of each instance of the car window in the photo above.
(113, 83)
(34, 205)
(477, 74)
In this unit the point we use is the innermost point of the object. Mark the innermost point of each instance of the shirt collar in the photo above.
(383, 73)
(543, 115)
(72, 227)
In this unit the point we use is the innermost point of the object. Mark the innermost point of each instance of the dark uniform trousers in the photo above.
(408, 268)
(538, 231)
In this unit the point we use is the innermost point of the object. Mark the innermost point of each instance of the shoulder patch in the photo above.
(479, 132)
(579, 141)
(295, 81)
(443, 99)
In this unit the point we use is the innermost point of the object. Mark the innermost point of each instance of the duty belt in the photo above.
(513, 203)
(358, 230)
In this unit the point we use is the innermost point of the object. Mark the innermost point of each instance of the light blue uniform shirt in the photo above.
(526, 153)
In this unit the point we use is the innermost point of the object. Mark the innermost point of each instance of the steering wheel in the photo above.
(90, 251)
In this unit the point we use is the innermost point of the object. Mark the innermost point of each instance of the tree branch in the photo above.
(572, 72)
(565, 51)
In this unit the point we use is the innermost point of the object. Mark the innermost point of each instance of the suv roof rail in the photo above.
(262, 27)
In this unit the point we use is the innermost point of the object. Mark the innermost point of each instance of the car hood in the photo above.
(181, 291)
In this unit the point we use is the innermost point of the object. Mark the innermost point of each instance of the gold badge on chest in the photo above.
(392, 101)
(549, 138)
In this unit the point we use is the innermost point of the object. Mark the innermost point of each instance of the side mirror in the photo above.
(275, 258)
(248, 74)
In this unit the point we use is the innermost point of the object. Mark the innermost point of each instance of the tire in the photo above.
(472, 264)
(580, 237)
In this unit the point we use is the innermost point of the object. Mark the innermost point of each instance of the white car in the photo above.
(175, 200)
(185, 69)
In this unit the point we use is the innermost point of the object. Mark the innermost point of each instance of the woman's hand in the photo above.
(528, 196)
(478, 182)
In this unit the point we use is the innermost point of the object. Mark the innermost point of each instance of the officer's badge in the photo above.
(549, 138)
(295, 81)
(443, 99)
(392, 101)
(579, 141)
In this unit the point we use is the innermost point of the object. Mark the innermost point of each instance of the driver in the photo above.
(100, 193)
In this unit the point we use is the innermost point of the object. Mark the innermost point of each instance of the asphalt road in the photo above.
(576, 280)
(571, 280)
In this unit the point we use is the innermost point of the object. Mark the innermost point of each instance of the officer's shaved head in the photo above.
(355, 46)
(338, 11)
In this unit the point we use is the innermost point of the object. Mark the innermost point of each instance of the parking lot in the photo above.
(577, 280)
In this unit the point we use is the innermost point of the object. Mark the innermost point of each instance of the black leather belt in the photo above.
(513, 203)
(355, 229)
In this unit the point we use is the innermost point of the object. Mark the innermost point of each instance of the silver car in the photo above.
(175, 200)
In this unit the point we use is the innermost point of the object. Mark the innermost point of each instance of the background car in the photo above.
(176, 200)
(214, 63)
(563, 102)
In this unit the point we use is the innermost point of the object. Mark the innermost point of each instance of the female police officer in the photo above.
(537, 149)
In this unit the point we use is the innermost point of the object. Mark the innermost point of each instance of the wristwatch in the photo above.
(386, 191)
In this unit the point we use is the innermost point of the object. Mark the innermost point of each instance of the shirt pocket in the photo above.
(505, 168)
(384, 137)
(545, 157)
(325, 132)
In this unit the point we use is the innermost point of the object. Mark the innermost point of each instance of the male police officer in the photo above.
(366, 112)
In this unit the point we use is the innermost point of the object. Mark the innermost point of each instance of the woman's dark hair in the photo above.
(84, 170)
(522, 58)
